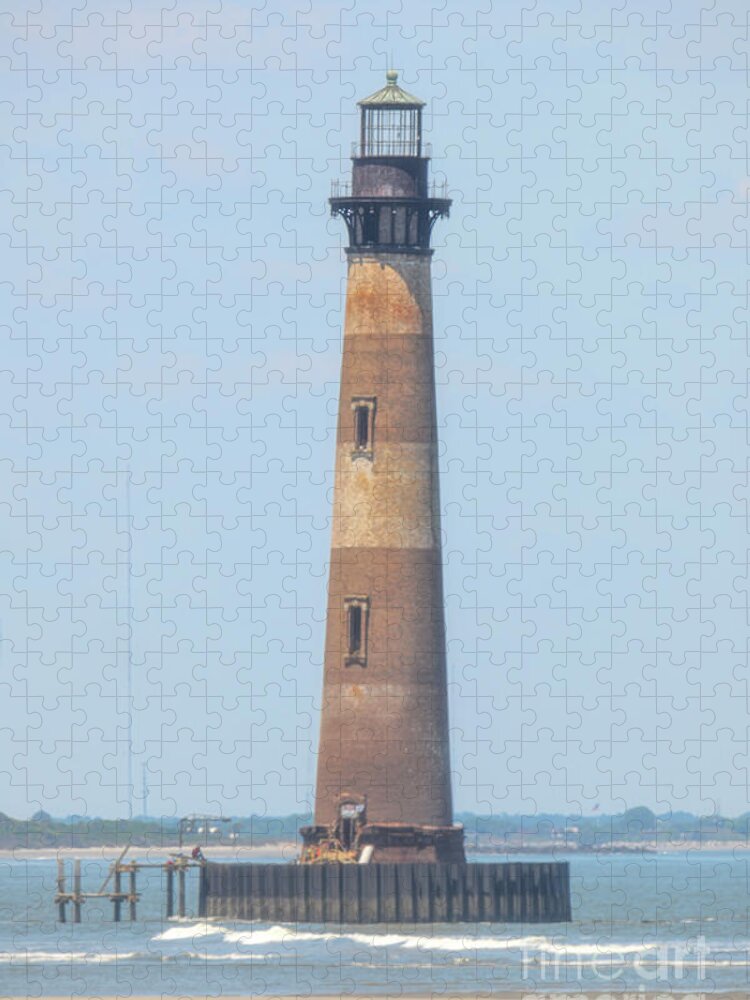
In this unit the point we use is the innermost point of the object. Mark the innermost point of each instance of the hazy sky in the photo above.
(172, 290)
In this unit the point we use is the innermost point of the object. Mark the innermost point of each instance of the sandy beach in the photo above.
(288, 851)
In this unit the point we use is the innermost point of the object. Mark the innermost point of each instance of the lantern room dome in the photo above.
(391, 95)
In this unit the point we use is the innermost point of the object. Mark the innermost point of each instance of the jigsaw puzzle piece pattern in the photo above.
(173, 294)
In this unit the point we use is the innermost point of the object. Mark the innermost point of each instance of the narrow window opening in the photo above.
(362, 427)
(355, 629)
(363, 409)
(357, 611)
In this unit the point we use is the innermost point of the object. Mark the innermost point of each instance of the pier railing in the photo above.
(124, 891)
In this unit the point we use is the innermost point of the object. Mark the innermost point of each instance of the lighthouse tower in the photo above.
(383, 780)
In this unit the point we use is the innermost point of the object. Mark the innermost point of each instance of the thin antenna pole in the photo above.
(129, 619)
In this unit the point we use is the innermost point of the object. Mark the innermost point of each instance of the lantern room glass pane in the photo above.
(391, 131)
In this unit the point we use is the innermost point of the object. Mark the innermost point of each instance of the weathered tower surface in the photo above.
(383, 783)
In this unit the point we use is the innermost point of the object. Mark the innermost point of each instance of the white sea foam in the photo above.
(251, 937)
(463, 943)
(282, 935)
(289, 937)
(55, 957)
(251, 943)
(601, 949)
(185, 932)
(232, 956)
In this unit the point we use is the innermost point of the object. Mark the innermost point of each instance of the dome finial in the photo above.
(391, 95)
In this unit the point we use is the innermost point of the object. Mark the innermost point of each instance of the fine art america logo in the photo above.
(651, 963)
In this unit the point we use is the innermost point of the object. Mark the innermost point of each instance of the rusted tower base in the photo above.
(385, 842)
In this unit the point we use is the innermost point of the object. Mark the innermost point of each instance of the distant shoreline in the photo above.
(109, 852)
(289, 851)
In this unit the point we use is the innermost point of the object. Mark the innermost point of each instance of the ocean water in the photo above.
(679, 921)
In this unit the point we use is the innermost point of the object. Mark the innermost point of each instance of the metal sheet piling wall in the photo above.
(529, 892)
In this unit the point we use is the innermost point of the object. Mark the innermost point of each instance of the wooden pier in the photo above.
(123, 876)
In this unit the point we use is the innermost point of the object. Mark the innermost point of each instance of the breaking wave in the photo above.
(248, 938)
(56, 957)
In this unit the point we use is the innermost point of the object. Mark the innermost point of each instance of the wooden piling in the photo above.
(202, 890)
(117, 895)
(170, 891)
(181, 892)
(61, 900)
(77, 891)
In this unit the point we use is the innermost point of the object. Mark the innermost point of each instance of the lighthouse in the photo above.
(383, 847)
(383, 788)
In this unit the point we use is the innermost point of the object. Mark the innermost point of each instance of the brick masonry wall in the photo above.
(384, 728)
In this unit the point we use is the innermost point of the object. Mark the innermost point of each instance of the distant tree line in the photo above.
(483, 833)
